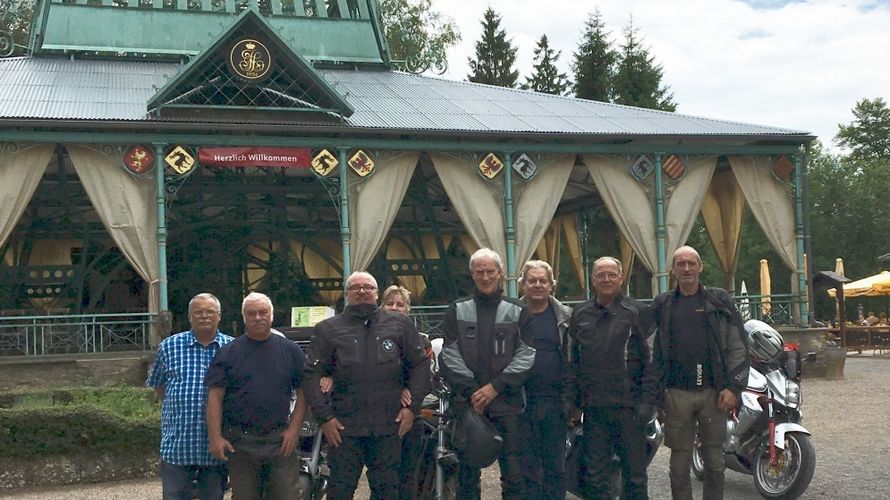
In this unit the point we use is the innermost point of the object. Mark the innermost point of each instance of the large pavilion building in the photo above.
(154, 149)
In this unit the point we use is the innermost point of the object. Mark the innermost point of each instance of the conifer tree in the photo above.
(545, 76)
(495, 55)
(594, 62)
(637, 80)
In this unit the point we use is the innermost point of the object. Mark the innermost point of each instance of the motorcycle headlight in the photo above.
(792, 394)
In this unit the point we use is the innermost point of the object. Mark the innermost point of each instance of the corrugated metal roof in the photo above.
(38, 88)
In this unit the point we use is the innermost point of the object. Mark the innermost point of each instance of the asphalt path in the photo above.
(848, 420)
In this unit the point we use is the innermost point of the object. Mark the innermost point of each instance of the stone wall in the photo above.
(86, 369)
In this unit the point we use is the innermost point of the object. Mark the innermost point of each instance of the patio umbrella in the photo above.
(872, 286)
(766, 305)
(745, 303)
(839, 266)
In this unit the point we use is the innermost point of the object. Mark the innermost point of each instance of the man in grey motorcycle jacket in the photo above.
(701, 364)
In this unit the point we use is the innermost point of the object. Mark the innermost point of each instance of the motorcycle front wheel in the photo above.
(698, 463)
(791, 475)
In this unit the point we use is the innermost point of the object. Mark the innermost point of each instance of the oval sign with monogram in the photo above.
(250, 60)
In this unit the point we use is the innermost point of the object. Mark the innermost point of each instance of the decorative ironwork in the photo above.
(43, 335)
(331, 184)
(417, 65)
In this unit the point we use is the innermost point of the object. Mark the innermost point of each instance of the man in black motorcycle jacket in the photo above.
(611, 379)
(371, 354)
(701, 361)
(486, 359)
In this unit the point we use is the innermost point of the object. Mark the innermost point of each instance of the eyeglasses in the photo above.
(484, 272)
(606, 276)
(205, 313)
(535, 282)
(361, 288)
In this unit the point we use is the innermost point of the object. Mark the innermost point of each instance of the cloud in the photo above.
(795, 64)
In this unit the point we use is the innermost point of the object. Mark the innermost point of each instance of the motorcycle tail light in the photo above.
(792, 394)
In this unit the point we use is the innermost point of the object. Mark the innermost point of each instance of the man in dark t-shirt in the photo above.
(252, 382)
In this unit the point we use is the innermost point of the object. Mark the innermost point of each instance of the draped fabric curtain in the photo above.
(374, 203)
(683, 204)
(477, 201)
(770, 202)
(627, 259)
(21, 169)
(722, 212)
(563, 228)
(322, 260)
(572, 239)
(628, 203)
(127, 206)
(536, 203)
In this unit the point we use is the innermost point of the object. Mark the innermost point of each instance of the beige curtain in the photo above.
(770, 202)
(573, 246)
(626, 258)
(477, 201)
(317, 267)
(563, 228)
(628, 203)
(21, 169)
(374, 203)
(683, 202)
(127, 206)
(722, 212)
(536, 201)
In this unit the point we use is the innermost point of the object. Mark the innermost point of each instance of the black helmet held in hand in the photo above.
(477, 442)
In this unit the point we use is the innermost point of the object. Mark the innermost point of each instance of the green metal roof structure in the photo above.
(312, 74)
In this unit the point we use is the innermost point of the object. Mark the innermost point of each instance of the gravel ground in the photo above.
(850, 431)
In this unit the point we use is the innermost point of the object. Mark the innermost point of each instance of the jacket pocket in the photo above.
(346, 349)
(388, 349)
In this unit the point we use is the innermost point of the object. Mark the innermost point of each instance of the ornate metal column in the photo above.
(508, 223)
(344, 214)
(660, 231)
(799, 235)
(162, 228)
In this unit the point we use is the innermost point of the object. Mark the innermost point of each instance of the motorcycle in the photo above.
(764, 436)
(437, 468)
(314, 469)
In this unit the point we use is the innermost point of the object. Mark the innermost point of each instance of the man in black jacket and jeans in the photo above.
(371, 354)
(610, 379)
(701, 362)
(486, 359)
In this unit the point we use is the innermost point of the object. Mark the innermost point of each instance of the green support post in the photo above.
(162, 236)
(345, 234)
(660, 231)
(799, 235)
(508, 222)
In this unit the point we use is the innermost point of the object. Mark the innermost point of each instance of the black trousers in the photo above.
(381, 454)
(544, 426)
(412, 447)
(510, 462)
(608, 432)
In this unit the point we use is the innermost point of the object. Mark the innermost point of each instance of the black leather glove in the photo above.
(645, 412)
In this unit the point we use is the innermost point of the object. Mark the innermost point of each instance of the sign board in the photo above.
(305, 316)
(255, 157)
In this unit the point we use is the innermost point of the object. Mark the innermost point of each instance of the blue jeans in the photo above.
(544, 425)
(177, 481)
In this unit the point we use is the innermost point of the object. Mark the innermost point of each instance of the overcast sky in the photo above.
(794, 64)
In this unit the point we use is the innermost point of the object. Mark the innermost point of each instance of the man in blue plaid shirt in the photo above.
(177, 376)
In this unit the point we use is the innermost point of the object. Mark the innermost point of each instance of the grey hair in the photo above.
(486, 253)
(205, 296)
(257, 297)
(685, 248)
(536, 264)
(608, 258)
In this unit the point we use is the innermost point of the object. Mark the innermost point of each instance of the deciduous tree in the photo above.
(868, 135)
(418, 36)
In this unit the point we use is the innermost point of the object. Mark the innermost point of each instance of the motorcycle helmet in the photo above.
(475, 439)
(764, 342)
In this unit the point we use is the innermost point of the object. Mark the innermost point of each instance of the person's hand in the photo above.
(406, 398)
(726, 400)
(326, 384)
(483, 397)
(574, 416)
(331, 430)
(220, 446)
(290, 439)
(405, 420)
